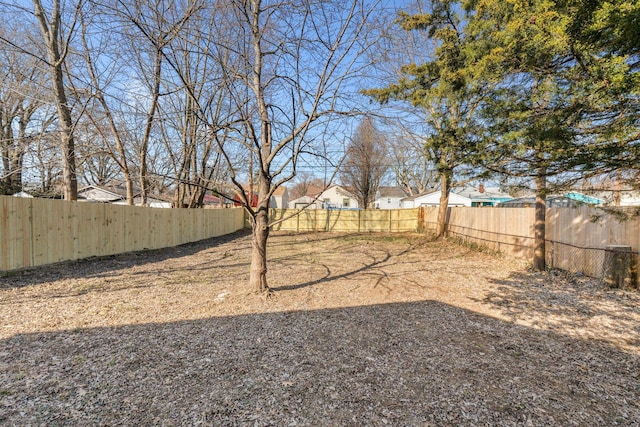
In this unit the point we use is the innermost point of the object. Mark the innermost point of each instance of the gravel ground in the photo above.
(361, 330)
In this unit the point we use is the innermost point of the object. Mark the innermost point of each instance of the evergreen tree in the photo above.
(449, 89)
(545, 118)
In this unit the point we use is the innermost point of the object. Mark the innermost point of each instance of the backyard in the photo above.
(361, 329)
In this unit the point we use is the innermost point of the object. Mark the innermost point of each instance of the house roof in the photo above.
(488, 193)
(111, 194)
(392, 192)
(280, 191)
(23, 194)
(408, 199)
(584, 198)
(555, 200)
(552, 201)
(117, 192)
(342, 190)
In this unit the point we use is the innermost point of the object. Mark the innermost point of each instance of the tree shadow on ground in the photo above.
(379, 262)
(571, 302)
(107, 266)
(419, 363)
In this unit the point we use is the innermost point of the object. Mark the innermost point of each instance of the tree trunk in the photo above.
(50, 29)
(539, 262)
(144, 146)
(258, 273)
(445, 183)
(66, 136)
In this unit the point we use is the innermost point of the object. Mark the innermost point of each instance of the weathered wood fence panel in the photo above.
(507, 230)
(40, 231)
(578, 238)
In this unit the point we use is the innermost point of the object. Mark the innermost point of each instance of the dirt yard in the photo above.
(361, 330)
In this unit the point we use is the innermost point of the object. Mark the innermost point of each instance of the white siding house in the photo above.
(337, 197)
(305, 202)
(482, 196)
(389, 198)
(432, 198)
(280, 199)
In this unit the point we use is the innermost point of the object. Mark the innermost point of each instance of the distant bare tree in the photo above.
(412, 169)
(106, 151)
(151, 27)
(21, 101)
(365, 162)
(303, 183)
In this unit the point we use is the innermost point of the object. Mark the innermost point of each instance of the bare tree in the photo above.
(413, 170)
(152, 26)
(21, 102)
(200, 100)
(103, 65)
(287, 65)
(365, 162)
(305, 182)
(57, 40)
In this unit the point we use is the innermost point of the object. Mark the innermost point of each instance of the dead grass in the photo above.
(362, 330)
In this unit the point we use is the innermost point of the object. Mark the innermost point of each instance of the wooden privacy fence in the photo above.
(577, 239)
(355, 221)
(507, 230)
(40, 231)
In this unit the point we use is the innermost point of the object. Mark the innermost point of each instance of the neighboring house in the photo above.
(629, 198)
(334, 197)
(337, 197)
(93, 193)
(583, 198)
(305, 201)
(568, 200)
(253, 201)
(280, 198)
(211, 201)
(481, 196)
(23, 194)
(389, 198)
(152, 202)
(432, 198)
(117, 195)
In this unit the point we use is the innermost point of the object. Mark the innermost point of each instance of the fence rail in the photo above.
(40, 231)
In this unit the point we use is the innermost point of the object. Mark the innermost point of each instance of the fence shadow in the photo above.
(111, 264)
(419, 363)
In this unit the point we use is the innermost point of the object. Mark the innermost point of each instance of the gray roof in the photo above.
(392, 192)
(473, 193)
